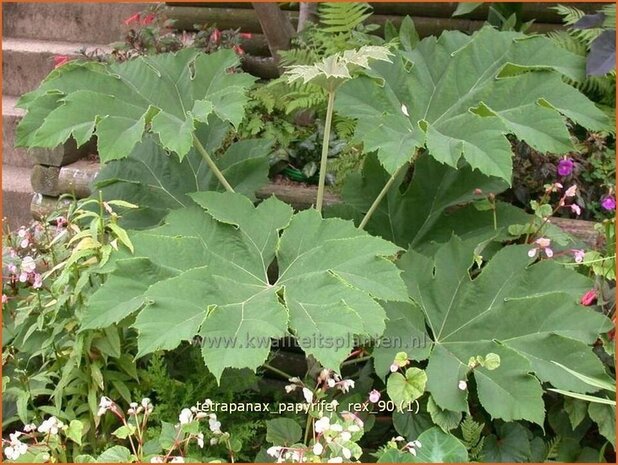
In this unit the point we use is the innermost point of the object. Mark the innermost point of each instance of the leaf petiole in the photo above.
(200, 148)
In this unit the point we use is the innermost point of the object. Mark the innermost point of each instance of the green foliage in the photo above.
(436, 202)
(51, 369)
(438, 97)
(529, 317)
(342, 17)
(168, 94)
(208, 268)
(159, 181)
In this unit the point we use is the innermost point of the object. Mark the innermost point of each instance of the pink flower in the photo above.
(565, 166)
(38, 281)
(608, 203)
(589, 298)
(578, 255)
(246, 35)
(571, 191)
(576, 209)
(374, 396)
(543, 242)
(215, 36)
(60, 60)
(5, 298)
(148, 19)
(238, 50)
(132, 19)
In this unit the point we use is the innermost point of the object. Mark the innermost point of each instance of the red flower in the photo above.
(148, 19)
(238, 50)
(245, 35)
(215, 36)
(60, 60)
(589, 298)
(132, 19)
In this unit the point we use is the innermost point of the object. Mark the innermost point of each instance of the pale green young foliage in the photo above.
(459, 96)
(528, 315)
(335, 69)
(206, 272)
(168, 94)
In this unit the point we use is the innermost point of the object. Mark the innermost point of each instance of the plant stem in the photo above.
(357, 360)
(376, 202)
(307, 428)
(325, 142)
(277, 370)
(211, 164)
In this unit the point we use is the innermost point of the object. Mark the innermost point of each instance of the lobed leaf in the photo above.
(168, 94)
(459, 96)
(206, 272)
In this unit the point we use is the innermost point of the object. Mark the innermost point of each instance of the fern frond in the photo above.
(552, 448)
(343, 17)
(471, 431)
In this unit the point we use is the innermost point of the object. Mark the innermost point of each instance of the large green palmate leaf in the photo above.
(158, 181)
(458, 95)
(206, 272)
(436, 203)
(528, 315)
(168, 94)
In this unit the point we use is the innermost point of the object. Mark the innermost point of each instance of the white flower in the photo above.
(308, 395)
(214, 441)
(186, 416)
(346, 453)
(214, 425)
(331, 382)
(30, 427)
(318, 448)
(200, 440)
(294, 379)
(133, 405)
(24, 244)
(323, 424)
(394, 367)
(28, 265)
(290, 387)
(104, 405)
(571, 191)
(354, 428)
(335, 460)
(462, 385)
(543, 242)
(15, 450)
(336, 427)
(274, 451)
(177, 460)
(549, 252)
(334, 402)
(404, 109)
(51, 426)
(374, 396)
(398, 439)
(346, 436)
(532, 253)
(346, 384)
(208, 403)
(157, 459)
(412, 450)
(200, 415)
(417, 443)
(145, 402)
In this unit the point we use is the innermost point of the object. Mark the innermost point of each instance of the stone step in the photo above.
(16, 196)
(99, 23)
(23, 158)
(26, 62)
(10, 117)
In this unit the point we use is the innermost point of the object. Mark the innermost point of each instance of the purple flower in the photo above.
(565, 167)
(578, 255)
(608, 203)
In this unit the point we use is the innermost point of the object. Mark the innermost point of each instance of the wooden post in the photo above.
(276, 26)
